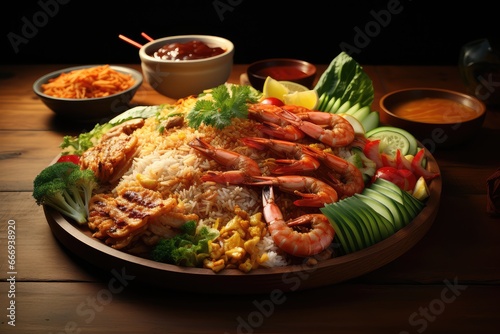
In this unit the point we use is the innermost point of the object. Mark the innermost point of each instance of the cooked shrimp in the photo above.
(272, 124)
(345, 178)
(239, 166)
(301, 162)
(291, 241)
(314, 192)
(330, 129)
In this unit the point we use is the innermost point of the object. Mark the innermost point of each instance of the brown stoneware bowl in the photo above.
(182, 78)
(438, 118)
(282, 69)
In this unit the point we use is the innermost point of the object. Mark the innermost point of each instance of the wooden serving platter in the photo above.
(78, 240)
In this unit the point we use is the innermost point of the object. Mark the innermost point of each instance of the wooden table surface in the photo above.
(447, 283)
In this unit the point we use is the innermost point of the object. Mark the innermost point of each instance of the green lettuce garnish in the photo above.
(345, 79)
(79, 144)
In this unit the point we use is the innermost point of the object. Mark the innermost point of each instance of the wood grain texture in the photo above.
(46, 307)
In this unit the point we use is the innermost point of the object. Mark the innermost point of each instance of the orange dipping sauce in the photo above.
(435, 110)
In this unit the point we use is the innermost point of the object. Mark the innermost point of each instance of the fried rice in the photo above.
(165, 164)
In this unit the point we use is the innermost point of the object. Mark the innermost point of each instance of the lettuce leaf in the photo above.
(346, 80)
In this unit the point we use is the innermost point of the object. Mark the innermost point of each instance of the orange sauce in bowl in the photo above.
(435, 110)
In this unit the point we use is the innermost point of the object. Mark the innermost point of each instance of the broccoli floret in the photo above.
(189, 228)
(66, 188)
(187, 249)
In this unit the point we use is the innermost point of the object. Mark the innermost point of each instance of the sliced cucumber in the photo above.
(343, 234)
(399, 219)
(323, 100)
(418, 204)
(407, 212)
(361, 113)
(353, 109)
(344, 107)
(413, 205)
(377, 206)
(383, 131)
(391, 141)
(335, 106)
(395, 196)
(358, 230)
(356, 207)
(365, 237)
(387, 226)
(328, 104)
(388, 184)
(371, 121)
(356, 125)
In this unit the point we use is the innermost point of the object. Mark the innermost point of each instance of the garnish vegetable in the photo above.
(222, 104)
(66, 188)
(403, 178)
(76, 145)
(187, 249)
(69, 158)
(79, 144)
(344, 80)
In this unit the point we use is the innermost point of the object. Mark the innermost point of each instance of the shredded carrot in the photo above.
(92, 82)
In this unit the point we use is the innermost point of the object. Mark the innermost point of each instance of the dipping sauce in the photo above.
(187, 51)
(435, 110)
(284, 72)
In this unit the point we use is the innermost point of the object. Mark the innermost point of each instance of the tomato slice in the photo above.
(418, 169)
(70, 158)
(273, 101)
(372, 152)
(403, 178)
(402, 162)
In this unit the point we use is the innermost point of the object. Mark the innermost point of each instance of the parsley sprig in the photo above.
(222, 104)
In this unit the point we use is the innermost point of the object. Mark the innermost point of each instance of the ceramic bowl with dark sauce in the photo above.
(281, 69)
(180, 66)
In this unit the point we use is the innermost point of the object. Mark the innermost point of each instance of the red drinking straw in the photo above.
(128, 40)
(147, 37)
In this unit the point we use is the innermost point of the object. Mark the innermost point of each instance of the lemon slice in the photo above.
(290, 93)
(273, 88)
(293, 86)
(307, 98)
(421, 190)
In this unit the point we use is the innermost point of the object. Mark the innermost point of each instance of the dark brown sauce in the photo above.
(282, 72)
(187, 51)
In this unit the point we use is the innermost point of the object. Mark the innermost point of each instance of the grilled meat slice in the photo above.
(117, 220)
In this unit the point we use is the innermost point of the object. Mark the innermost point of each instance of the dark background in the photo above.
(86, 32)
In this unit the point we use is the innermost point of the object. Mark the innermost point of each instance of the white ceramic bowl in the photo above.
(90, 109)
(182, 78)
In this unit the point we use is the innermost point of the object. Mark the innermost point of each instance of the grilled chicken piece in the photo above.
(127, 128)
(118, 220)
(114, 153)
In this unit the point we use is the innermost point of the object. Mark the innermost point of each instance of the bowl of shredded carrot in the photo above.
(89, 92)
